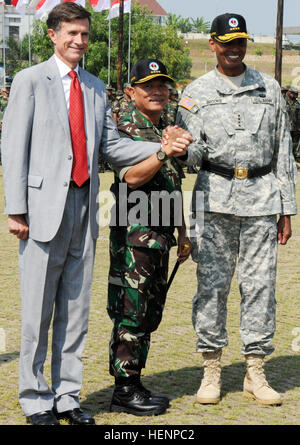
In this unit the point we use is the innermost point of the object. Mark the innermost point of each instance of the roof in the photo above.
(153, 5)
(291, 30)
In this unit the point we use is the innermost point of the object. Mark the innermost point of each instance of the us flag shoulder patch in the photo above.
(188, 103)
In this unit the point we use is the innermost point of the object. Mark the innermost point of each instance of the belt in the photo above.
(73, 184)
(238, 172)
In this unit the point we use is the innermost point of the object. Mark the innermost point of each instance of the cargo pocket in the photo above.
(200, 234)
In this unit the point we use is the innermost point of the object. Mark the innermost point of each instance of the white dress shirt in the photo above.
(65, 78)
(66, 83)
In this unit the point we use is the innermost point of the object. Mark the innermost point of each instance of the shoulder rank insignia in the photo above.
(187, 103)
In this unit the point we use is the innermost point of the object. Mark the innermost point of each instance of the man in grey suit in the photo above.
(53, 214)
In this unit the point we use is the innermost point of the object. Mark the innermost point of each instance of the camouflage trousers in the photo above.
(296, 151)
(135, 306)
(248, 244)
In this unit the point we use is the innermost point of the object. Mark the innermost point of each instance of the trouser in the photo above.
(136, 307)
(56, 276)
(250, 244)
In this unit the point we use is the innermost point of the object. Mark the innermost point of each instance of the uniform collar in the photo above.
(142, 121)
(252, 80)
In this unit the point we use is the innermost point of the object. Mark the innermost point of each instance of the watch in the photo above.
(161, 155)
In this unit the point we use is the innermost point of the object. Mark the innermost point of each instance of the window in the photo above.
(14, 31)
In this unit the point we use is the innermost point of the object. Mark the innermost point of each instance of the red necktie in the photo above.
(76, 118)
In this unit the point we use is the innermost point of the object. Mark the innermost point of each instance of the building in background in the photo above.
(159, 15)
(15, 25)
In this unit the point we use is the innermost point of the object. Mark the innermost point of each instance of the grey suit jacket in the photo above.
(37, 150)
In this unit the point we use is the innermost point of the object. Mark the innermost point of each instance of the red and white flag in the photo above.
(20, 5)
(100, 5)
(79, 2)
(45, 6)
(115, 8)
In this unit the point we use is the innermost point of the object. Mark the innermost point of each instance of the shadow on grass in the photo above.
(8, 357)
(282, 374)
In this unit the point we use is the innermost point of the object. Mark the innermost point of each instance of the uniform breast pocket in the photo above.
(255, 116)
(217, 123)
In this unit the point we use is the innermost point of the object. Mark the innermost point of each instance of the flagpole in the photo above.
(29, 40)
(3, 46)
(120, 48)
(109, 36)
(129, 46)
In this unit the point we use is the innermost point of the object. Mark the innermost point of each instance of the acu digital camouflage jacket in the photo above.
(243, 127)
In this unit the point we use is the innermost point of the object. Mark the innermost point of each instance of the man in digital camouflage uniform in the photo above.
(293, 109)
(237, 117)
(139, 251)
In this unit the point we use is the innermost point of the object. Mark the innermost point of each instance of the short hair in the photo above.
(66, 12)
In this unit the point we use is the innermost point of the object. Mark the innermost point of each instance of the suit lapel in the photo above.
(56, 95)
(57, 101)
(89, 109)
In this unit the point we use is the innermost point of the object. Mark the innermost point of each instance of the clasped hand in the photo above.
(175, 141)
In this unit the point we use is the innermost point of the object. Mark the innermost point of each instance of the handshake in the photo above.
(175, 141)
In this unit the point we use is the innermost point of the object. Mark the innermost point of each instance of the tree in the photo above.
(16, 55)
(185, 25)
(199, 25)
(148, 39)
(174, 20)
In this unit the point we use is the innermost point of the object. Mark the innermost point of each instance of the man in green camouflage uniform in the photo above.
(293, 109)
(3, 104)
(170, 111)
(139, 251)
(122, 103)
(237, 117)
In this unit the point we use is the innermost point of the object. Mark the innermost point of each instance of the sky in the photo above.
(260, 15)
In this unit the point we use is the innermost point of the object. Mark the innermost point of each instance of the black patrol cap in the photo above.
(227, 27)
(148, 69)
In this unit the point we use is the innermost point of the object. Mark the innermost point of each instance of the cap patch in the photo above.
(233, 22)
(153, 66)
(187, 103)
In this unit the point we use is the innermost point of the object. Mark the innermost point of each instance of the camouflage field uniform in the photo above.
(121, 107)
(125, 108)
(293, 109)
(139, 258)
(170, 112)
(243, 127)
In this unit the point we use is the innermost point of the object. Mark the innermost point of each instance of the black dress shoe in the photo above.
(76, 417)
(43, 418)
(130, 399)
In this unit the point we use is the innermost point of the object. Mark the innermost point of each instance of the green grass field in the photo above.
(173, 366)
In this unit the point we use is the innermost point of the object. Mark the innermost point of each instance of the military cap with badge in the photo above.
(148, 69)
(227, 27)
(145, 70)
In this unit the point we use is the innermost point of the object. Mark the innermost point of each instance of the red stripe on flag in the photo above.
(94, 2)
(14, 2)
(40, 4)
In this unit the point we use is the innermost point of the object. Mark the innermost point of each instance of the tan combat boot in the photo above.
(255, 383)
(210, 389)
